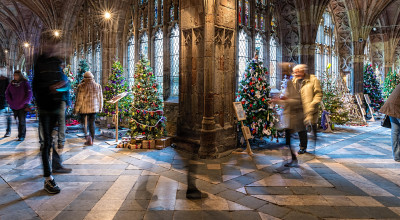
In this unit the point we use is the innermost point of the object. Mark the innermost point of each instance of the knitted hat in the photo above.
(88, 74)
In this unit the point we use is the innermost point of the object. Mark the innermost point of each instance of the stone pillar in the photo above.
(207, 79)
(307, 56)
(357, 78)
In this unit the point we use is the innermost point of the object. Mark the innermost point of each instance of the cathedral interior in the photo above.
(199, 51)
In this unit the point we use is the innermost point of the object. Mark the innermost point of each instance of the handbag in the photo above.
(386, 122)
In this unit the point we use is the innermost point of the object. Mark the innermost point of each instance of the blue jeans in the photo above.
(395, 122)
(8, 118)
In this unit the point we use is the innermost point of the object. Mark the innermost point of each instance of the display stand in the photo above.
(359, 102)
(371, 110)
(328, 119)
(115, 101)
(241, 116)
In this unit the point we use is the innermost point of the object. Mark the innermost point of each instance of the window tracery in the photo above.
(325, 50)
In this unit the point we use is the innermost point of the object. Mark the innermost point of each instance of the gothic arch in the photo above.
(343, 35)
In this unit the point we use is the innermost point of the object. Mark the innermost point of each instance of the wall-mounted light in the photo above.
(107, 15)
(26, 44)
(56, 33)
(6, 51)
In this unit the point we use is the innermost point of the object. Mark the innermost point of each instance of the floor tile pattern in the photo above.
(349, 174)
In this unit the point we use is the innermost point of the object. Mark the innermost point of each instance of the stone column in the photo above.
(207, 78)
(358, 70)
(307, 56)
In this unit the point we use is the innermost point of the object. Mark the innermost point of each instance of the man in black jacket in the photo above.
(4, 81)
(51, 90)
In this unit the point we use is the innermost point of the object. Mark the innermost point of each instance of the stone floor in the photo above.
(350, 176)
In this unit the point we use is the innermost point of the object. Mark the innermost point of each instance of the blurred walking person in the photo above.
(19, 95)
(50, 87)
(89, 101)
(4, 82)
(391, 108)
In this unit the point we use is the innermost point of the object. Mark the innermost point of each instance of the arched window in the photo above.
(147, 30)
(243, 54)
(174, 56)
(89, 57)
(82, 54)
(158, 59)
(144, 45)
(97, 63)
(131, 60)
(325, 51)
(75, 63)
(252, 32)
(260, 46)
(273, 62)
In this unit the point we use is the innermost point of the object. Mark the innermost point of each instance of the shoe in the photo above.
(8, 134)
(51, 186)
(60, 146)
(293, 163)
(62, 170)
(302, 151)
(195, 194)
(21, 139)
(89, 141)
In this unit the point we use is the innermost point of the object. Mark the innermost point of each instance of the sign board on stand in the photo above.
(241, 116)
(359, 102)
(115, 101)
(371, 110)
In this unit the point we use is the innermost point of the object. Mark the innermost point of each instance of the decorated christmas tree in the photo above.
(350, 104)
(332, 99)
(147, 115)
(117, 84)
(83, 67)
(391, 81)
(372, 88)
(254, 94)
(71, 77)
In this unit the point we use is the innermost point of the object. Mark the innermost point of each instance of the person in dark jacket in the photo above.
(51, 90)
(19, 95)
(4, 82)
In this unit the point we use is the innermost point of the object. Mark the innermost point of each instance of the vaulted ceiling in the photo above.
(25, 20)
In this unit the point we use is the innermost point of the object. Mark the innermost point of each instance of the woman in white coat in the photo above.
(89, 101)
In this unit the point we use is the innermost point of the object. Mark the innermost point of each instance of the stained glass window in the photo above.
(256, 21)
(155, 12)
(131, 60)
(162, 11)
(89, 58)
(260, 47)
(82, 54)
(240, 12)
(171, 11)
(75, 65)
(262, 25)
(144, 41)
(325, 48)
(174, 56)
(247, 13)
(158, 59)
(98, 63)
(243, 54)
(273, 62)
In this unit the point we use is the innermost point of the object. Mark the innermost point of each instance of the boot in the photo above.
(89, 141)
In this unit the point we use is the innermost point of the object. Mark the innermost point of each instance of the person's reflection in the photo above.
(192, 191)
